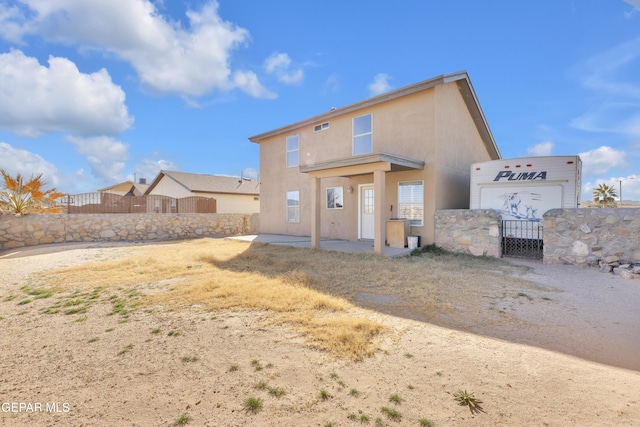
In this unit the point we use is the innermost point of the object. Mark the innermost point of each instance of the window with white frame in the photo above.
(293, 150)
(334, 198)
(411, 201)
(293, 206)
(321, 126)
(362, 135)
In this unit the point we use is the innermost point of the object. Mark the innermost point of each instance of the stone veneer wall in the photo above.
(588, 235)
(470, 231)
(30, 230)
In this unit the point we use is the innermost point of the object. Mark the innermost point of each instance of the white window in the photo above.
(411, 201)
(293, 150)
(334, 198)
(293, 206)
(320, 127)
(362, 135)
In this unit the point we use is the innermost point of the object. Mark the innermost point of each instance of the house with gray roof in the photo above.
(233, 194)
(127, 187)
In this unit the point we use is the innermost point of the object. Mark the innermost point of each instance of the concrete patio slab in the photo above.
(338, 245)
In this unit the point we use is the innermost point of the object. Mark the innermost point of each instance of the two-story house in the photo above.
(403, 154)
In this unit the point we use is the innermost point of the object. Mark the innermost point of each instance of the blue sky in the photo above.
(93, 92)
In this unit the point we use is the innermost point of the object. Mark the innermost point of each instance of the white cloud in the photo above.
(279, 64)
(16, 160)
(248, 82)
(10, 23)
(379, 85)
(612, 117)
(331, 85)
(38, 99)
(250, 173)
(149, 168)
(601, 71)
(105, 155)
(26, 163)
(169, 57)
(634, 3)
(615, 99)
(542, 149)
(601, 160)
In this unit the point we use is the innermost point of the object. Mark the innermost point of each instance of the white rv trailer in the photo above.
(523, 189)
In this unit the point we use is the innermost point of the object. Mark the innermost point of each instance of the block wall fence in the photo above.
(581, 236)
(571, 236)
(585, 236)
(31, 230)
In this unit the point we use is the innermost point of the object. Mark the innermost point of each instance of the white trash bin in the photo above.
(412, 241)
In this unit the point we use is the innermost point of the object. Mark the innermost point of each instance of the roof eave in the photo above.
(480, 121)
(407, 90)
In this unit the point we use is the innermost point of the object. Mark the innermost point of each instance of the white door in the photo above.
(367, 221)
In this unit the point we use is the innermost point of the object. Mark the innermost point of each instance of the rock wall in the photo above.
(589, 236)
(475, 231)
(30, 230)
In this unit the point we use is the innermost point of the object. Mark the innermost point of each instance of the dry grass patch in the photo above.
(312, 290)
(201, 276)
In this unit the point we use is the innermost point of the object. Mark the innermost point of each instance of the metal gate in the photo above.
(522, 239)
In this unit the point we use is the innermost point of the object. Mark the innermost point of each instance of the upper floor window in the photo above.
(293, 150)
(362, 135)
(320, 127)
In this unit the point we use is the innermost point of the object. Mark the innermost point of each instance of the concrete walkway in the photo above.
(325, 244)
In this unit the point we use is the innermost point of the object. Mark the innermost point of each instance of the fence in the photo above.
(522, 239)
(31, 230)
(101, 203)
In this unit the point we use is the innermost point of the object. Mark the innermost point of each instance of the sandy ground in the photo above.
(159, 365)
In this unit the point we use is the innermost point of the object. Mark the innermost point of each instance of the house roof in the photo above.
(460, 78)
(125, 187)
(204, 183)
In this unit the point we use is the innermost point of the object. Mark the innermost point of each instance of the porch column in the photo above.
(316, 205)
(380, 211)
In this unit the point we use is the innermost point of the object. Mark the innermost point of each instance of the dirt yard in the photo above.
(80, 354)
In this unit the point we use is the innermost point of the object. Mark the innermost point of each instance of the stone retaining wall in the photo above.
(30, 230)
(587, 236)
(475, 231)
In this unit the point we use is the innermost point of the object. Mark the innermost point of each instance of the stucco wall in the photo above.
(433, 126)
(31, 230)
(586, 236)
(475, 232)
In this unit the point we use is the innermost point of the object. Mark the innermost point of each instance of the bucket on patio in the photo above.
(412, 242)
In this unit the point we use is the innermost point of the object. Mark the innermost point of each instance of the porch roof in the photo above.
(360, 165)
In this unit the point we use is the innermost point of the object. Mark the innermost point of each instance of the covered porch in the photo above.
(377, 164)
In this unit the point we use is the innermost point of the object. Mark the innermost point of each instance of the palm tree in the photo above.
(21, 197)
(604, 196)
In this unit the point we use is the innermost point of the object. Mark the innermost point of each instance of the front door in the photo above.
(367, 221)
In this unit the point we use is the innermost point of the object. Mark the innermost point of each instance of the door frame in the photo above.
(360, 189)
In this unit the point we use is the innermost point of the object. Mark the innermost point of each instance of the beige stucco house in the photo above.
(233, 194)
(403, 154)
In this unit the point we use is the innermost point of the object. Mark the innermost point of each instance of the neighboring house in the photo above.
(127, 187)
(344, 173)
(233, 194)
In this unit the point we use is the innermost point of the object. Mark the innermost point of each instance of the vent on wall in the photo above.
(320, 127)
